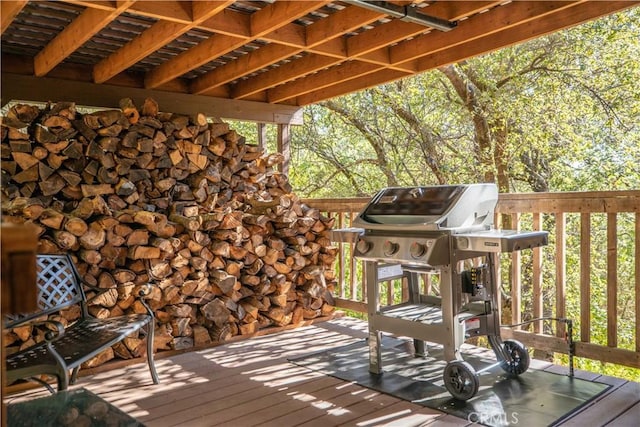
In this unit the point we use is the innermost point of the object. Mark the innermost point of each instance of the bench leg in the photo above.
(62, 373)
(74, 375)
(152, 367)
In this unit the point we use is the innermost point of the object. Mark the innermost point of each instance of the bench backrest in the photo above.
(59, 287)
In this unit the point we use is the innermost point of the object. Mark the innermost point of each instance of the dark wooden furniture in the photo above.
(19, 246)
(60, 286)
(18, 291)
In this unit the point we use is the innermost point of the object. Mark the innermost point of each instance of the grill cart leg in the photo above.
(375, 354)
(413, 284)
(419, 348)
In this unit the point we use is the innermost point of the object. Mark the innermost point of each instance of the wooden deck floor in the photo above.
(250, 382)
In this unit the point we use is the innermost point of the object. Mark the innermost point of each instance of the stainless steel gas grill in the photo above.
(404, 232)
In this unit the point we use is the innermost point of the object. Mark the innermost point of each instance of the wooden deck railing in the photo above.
(589, 272)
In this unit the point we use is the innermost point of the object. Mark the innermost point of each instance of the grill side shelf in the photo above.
(501, 240)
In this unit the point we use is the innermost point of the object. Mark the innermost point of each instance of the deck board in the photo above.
(607, 409)
(629, 418)
(251, 382)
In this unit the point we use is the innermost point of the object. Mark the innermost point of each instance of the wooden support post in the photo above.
(262, 136)
(284, 140)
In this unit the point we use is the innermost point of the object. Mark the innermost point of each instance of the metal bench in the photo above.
(65, 349)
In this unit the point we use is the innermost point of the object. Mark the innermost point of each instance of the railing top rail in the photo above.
(575, 201)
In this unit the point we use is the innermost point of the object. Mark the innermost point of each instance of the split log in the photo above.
(140, 195)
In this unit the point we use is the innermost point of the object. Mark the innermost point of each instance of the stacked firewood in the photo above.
(140, 195)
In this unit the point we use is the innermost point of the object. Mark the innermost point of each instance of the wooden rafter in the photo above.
(303, 66)
(348, 71)
(502, 18)
(283, 52)
(323, 31)
(525, 31)
(508, 16)
(356, 46)
(157, 36)
(9, 10)
(269, 19)
(215, 46)
(81, 29)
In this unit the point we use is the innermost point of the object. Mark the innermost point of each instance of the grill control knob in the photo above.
(363, 246)
(417, 249)
(462, 243)
(389, 248)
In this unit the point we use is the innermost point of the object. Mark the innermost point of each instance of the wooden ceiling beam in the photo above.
(270, 18)
(336, 48)
(303, 66)
(341, 22)
(364, 47)
(206, 51)
(279, 14)
(347, 20)
(102, 5)
(320, 32)
(293, 35)
(8, 11)
(244, 65)
(405, 52)
(152, 39)
(81, 29)
(500, 18)
(333, 76)
(176, 11)
(229, 23)
(456, 10)
(382, 74)
(525, 31)
(29, 88)
(392, 32)
(203, 10)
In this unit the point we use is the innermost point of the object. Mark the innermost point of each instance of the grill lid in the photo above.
(456, 208)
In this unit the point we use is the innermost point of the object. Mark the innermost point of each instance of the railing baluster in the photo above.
(341, 257)
(354, 269)
(561, 270)
(516, 279)
(537, 277)
(585, 277)
(612, 279)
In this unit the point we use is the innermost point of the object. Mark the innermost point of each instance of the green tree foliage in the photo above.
(558, 113)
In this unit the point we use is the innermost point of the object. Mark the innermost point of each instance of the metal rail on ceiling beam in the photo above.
(405, 13)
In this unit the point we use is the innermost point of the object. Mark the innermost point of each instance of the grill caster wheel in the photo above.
(461, 380)
(519, 358)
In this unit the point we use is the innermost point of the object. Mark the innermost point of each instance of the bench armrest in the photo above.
(140, 291)
(49, 335)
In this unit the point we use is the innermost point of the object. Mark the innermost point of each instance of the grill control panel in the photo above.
(428, 251)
